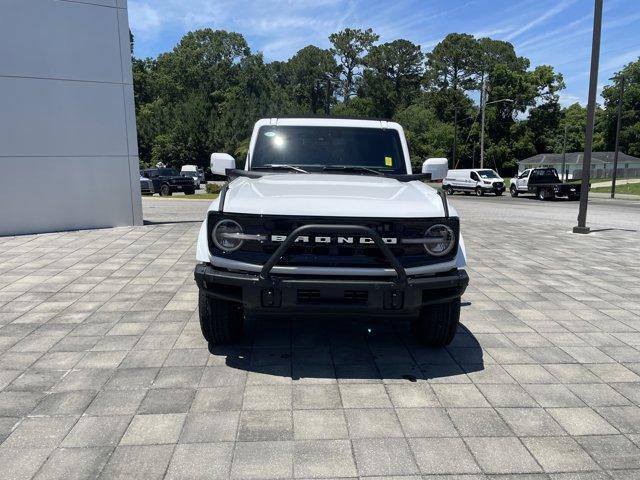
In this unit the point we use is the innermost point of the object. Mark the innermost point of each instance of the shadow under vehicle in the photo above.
(321, 349)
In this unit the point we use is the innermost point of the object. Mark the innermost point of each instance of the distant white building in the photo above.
(601, 164)
(68, 146)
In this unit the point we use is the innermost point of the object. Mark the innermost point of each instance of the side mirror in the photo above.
(220, 162)
(437, 167)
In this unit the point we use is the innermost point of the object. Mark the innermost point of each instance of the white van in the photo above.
(477, 180)
(191, 171)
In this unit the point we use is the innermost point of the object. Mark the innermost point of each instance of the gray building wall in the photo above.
(68, 145)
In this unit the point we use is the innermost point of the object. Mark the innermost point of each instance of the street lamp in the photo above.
(591, 111)
(484, 103)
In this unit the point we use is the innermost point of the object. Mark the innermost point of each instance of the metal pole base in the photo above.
(581, 230)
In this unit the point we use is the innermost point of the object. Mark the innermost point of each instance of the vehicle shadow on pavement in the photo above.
(328, 349)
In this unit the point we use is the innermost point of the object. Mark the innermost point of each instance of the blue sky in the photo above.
(555, 32)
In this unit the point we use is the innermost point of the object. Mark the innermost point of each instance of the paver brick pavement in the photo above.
(104, 373)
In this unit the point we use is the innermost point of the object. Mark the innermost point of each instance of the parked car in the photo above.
(191, 171)
(478, 181)
(544, 183)
(327, 217)
(167, 181)
(146, 186)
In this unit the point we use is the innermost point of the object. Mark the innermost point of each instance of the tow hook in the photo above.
(393, 300)
(271, 297)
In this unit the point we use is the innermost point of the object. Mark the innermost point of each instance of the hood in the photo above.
(330, 195)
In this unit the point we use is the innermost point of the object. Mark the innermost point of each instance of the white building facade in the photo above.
(68, 145)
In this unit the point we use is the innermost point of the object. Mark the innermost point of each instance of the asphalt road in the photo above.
(602, 213)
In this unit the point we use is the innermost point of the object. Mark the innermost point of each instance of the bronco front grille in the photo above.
(332, 254)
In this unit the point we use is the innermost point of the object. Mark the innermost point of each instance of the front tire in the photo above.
(449, 190)
(479, 192)
(220, 320)
(189, 192)
(513, 191)
(437, 324)
(165, 190)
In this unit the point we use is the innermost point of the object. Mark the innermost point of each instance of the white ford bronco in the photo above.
(327, 217)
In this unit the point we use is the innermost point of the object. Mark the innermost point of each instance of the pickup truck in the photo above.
(167, 181)
(327, 218)
(544, 183)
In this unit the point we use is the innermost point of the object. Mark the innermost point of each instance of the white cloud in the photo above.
(567, 99)
(144, 19)
(617, 62)
(559, 8)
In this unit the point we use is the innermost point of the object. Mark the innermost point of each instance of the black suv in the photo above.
(168, 180)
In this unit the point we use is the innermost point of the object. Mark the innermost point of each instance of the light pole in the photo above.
(617, 150)
(483, 107)
(591, 111)
(564, 155)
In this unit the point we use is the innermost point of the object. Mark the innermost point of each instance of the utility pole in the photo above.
(327, 101)
(564, 155)
(473, 155)
(591, 111)
(483, 108)
(483, 102)
(455, 134)
(617, 150)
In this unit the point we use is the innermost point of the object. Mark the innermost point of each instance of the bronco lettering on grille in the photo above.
(338, 240)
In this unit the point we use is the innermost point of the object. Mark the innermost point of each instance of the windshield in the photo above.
(488, 174)
(312, 148)
(167, 172)
(189, 173)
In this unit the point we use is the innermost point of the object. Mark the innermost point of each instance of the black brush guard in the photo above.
(334, 294)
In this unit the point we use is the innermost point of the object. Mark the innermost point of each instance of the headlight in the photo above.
(488, 183)
(439, 240)
(225, 235)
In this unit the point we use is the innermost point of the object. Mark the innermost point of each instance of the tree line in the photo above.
(206, 94)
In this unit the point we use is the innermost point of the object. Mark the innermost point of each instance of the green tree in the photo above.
(573, 121)
(452, 64)
(630, 125)
(313, 74)
(392, 76)
(207, 92)
(350, 46)
(426, 134)
(452, 70)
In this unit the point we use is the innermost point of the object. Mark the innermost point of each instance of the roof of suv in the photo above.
(329, 121)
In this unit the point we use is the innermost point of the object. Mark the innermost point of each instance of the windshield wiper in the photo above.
(278, 166)
(346, 168)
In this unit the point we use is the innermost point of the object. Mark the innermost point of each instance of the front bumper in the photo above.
(181, 188)
(493, 188)
(330, 295)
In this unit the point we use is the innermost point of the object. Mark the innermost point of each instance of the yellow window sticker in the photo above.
(388, 161)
